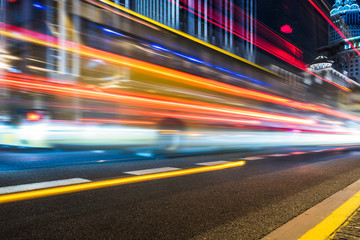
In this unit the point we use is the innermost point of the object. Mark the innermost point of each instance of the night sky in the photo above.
(310, 29)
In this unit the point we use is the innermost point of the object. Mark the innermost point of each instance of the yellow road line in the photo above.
(185, 35)
(330, 224)
(109, 183)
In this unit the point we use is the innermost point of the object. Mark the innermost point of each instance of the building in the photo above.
(294, 84)
(345, 14)
(213, 21)
(327, 92)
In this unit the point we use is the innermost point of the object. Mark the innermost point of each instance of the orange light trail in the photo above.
(148, 102)
(301, 66)
(26, 35)
(116, 121)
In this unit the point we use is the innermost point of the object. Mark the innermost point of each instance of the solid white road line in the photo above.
(152, 170)
(40, 185)
(211, 163)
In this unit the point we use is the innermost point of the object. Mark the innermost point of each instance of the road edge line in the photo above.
(334, 221)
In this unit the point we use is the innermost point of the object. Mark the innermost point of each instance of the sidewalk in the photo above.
(337, 217)
(350, 229)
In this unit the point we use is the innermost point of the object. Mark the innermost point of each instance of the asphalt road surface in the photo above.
(245, 202)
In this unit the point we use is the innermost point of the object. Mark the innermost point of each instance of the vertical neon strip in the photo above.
(62, 36)
(199, 19)
(76, 38)
(191, 19)
(226, 24)
(231, 26)
(205, 20)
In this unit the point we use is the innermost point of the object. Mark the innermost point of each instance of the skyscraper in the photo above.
(213, 21)
(345, 14)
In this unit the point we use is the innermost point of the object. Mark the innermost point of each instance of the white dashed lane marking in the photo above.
(253, 158)
(212, 163)
(278, 155)
(152, 170)
(41, 185)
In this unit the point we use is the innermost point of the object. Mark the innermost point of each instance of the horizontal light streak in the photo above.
(211, 118)
(183, 34)
(148, 102)
(261, 43)
(174, 74)
(219, 20)
(269, 33)
(116, 121)
(111, 183)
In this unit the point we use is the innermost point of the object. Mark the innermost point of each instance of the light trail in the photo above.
(117, 121)
(261, 43)
(212, 46)
(151, 103)
(279, 40)
(273, 50)
(117, 6)
(220, 18)
(26, 35)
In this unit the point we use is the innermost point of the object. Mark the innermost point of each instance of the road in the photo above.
(242, 202)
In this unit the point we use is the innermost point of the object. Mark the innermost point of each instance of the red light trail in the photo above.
(261, 43)
(26, 35)
(144, 101)
(269, 34)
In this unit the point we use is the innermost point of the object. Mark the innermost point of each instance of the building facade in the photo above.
(213, 21)
(345, 14)
(326, 92)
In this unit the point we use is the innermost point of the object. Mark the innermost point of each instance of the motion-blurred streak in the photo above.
(269, 34)
(49, 41)
(151, 102)
(239, 27)
(100, 120)
(260, 42)
(301, 66)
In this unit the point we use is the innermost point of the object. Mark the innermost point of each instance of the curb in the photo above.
(322, 220)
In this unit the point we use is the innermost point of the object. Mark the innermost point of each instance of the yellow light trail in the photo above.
(141, 101)
(26, 35)
(7, 198)
(209, 45)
